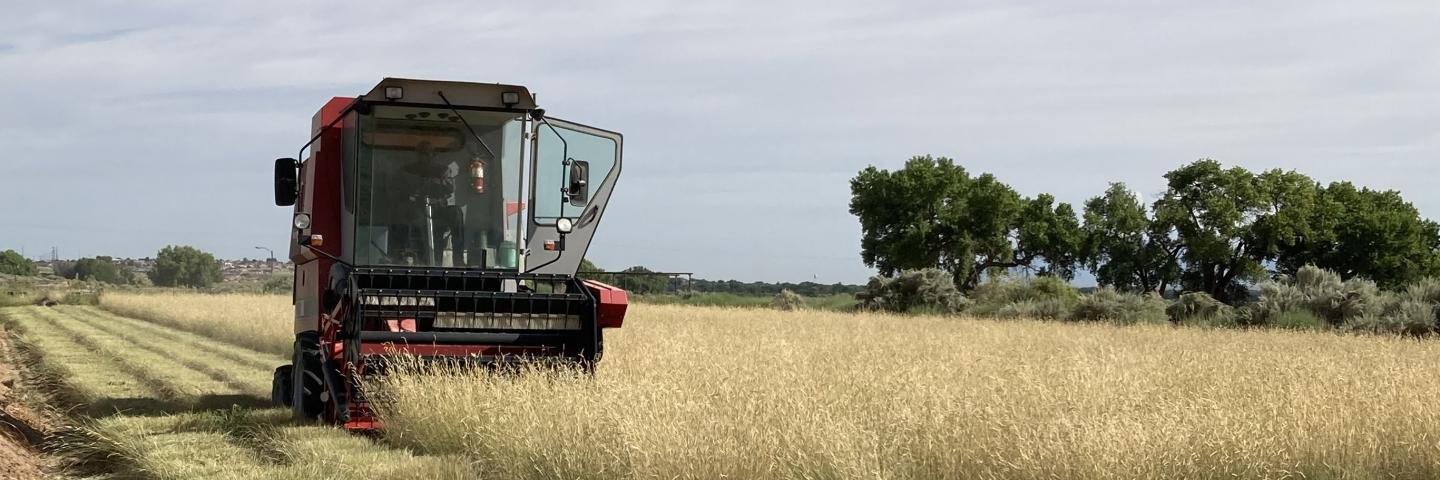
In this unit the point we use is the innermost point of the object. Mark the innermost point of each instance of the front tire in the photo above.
(306, 378)
(281, 386)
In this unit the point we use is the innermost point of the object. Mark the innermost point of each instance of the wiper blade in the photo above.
(467, 124)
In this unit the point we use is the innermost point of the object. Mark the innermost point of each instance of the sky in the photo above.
(127, 126)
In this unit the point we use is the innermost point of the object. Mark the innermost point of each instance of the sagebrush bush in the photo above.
(1040, 309)
(1411, 317)
(1108, 304)
(1318, 292)
(1040, 297)
(929, 290)
(1201, 309)
(1426, 290)
(788, 300)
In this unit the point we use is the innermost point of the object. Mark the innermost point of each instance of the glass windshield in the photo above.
(429, 193)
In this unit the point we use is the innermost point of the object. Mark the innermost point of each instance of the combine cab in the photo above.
(444, 220)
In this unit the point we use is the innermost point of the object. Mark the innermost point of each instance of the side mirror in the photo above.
(287, 172)
(578, 190)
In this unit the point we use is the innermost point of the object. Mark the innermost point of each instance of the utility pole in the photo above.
(269, 263)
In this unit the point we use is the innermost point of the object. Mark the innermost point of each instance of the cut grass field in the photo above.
(157, 402)
(696, 392)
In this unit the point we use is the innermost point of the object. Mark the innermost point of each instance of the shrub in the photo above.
(927, 290)
(1410, 317)
(1008, 297)
(1200, 309)
(1108, 304)
(1427, 291)
(1040, 309)
(788, 301)
(1391, 313)
(279, 283)
(1298, 320)
(1318, 292)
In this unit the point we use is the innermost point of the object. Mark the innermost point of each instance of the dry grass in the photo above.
(691, 392)
(709, 393)
(261, 322)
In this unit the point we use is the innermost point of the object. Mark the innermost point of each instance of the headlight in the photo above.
(564, 226)
(302, 221)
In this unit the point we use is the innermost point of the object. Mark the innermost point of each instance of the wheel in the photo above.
(280, 391)
(306, 403)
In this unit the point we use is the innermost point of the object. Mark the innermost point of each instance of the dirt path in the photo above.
(22, 429)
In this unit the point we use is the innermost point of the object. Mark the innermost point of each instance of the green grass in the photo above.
(159, 403)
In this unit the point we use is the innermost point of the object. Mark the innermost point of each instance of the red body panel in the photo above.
(320, 187)
(610, 313)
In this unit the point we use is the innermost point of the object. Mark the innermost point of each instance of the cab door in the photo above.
(574, 171)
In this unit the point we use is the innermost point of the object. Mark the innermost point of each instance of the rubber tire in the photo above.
(306, 404)
(280, 386)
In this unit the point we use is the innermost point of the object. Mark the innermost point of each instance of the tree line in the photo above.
(174, 266)
(642, 280)
(1215, 229)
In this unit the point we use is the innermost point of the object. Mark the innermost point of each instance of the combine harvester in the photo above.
(420, 230)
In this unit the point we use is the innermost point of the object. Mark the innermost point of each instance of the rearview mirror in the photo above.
(287, 172)
(578, 190)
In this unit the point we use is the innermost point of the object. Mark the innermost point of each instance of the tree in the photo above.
(641, 283)
(185, 266)
(12, 263)
(932, 213)
(1051, 232)
(1358, 232)
(1229, 223)
(1120, 245)
(101, 269)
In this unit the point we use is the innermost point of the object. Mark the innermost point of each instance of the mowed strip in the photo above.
(244, 373)
(264, 444)
(95, 380)
(182, 387)
(118, 361)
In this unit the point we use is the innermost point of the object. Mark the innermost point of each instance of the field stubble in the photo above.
(160, 403)
(698, 392)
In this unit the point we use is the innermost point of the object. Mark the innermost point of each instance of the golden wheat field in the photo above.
(692, 392)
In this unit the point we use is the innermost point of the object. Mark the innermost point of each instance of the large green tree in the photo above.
(1121, 246)
(1206, 209)
(933, 213)
(185, 266)
(1366, 233)
(13, 263)
(1230, 223)
(101, 269)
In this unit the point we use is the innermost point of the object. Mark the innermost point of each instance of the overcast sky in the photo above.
(126, 126)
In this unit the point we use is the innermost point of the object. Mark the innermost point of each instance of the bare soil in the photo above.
(22, 428)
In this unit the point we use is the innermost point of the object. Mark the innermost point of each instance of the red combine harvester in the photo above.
(420, 229)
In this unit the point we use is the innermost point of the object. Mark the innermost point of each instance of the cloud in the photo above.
(151, 123)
